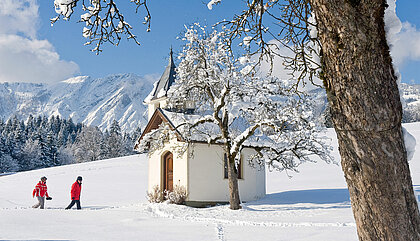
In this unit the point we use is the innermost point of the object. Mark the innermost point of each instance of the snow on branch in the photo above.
(157, 139)
(264, 27)
(237, 107)
(213, 2)
(103, 20)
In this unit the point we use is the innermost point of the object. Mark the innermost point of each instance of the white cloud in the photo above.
(403, 38)
(19, 16)
(407, 45)
(31, 60)
(23, 57)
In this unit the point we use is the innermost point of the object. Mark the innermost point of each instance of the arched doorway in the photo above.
(168, 172)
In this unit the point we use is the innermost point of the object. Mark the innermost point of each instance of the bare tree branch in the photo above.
(261, 22)
(104, 23)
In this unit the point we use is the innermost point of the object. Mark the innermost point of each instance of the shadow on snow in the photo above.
(314, 196)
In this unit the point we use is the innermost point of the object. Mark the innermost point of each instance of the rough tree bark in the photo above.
(233, 185)
(366, 112)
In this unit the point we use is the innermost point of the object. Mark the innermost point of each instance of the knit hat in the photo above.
(79, 178)
(43, 178)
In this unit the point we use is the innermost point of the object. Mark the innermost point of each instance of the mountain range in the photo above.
(99, 101)
(92, 101)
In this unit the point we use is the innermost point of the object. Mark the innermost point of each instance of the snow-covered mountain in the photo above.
(91, 101)
(99, 101)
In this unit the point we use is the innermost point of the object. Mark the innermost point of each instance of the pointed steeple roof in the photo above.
(165, 81)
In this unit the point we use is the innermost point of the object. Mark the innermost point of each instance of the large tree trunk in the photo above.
(233, 185)
(366, 112)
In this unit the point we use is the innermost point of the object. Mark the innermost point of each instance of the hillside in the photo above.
(312, 205)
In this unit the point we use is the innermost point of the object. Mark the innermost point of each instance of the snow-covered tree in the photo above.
(51, 151)
(136, 134)
(66, 155)
(32, 154)
(128, 147)
(62, 136)
(40, 139)
(88, 145)
(114, 141)
(7, 163)
(44, 142)
(237, 107)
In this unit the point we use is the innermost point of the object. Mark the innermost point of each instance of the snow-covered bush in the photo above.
(177, 196)
(156, 195)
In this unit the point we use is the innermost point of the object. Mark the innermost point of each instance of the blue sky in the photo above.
(33, 51)
(409, 11)
(168, 20)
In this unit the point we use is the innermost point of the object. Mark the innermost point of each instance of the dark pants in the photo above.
(77, 202)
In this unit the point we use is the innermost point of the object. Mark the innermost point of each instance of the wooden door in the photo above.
(168, 176)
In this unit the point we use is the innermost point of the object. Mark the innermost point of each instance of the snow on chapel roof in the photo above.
(161, 87)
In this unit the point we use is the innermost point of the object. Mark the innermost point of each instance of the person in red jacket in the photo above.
(76, 188)
(40, 192)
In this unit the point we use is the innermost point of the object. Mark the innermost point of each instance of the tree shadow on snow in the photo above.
(314, 196)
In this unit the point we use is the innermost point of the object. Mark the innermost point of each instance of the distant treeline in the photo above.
(41, 142)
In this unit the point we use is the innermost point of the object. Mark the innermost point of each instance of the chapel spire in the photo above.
(158, 96)
(165, 81)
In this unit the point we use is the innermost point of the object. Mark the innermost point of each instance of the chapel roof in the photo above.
(162, 86)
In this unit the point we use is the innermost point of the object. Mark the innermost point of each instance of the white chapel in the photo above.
(202, 169)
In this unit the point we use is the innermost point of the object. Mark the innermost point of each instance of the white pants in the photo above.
(41, 201)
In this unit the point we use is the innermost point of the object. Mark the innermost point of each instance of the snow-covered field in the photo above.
(313, 205)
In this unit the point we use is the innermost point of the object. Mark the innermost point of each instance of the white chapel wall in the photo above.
(206, 176)
(156, 167)
(202, 173)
